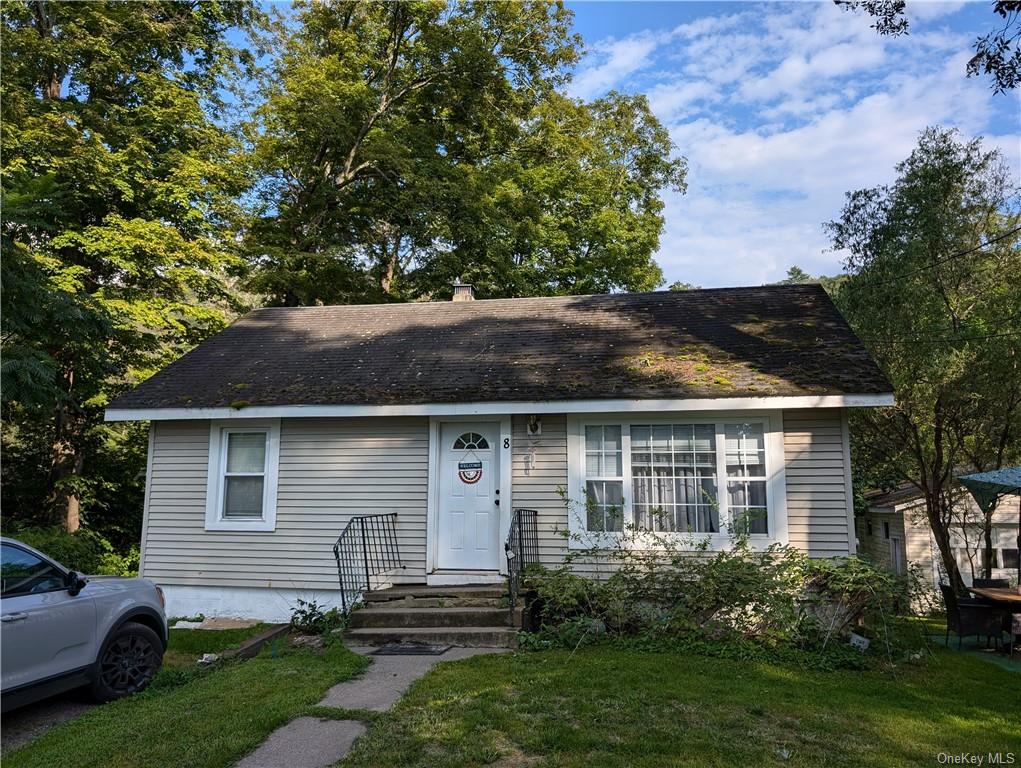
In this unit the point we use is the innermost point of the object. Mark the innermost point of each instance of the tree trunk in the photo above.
(66, 463)
(52, 78)
(387, 281)
(987, 562)
(940, 533)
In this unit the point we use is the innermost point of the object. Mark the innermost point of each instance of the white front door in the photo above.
(469, 502)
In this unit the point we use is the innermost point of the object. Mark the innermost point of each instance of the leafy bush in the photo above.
(84, 550)
(674, 593)
(310, 618)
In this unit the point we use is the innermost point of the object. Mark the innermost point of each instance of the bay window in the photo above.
(702, 476)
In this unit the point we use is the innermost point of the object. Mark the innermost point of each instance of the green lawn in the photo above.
(195, 720)
(603, 707)
(186, 646)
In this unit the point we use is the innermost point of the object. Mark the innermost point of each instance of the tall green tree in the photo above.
(797, 276)
(407, 144)
(935, 266)
(119, 198)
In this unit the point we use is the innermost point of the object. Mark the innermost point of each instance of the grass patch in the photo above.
(612, 707)
(219, 716)
(186, 646)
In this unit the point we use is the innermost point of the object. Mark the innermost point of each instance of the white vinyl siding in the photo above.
(820, 514)
(539, 475)
(333, 468)
(329, 470)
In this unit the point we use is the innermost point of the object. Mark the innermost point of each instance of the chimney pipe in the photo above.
(463, 291)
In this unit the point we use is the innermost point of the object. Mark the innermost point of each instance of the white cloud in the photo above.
(617, 59)
(668, 99)
(931, 10)
(780, 111)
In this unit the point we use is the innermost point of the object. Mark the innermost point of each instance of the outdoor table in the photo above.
(1005, 595)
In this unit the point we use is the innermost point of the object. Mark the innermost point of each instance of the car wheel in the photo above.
(129, 661)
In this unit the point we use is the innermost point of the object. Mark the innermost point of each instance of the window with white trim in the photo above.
(604, 478)
(746, 477)
(711, 476)
(673, 471)
(243, 461)
(244, 475)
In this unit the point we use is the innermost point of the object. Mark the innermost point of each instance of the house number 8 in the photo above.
(506, 442)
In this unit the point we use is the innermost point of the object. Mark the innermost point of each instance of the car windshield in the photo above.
(22, 572)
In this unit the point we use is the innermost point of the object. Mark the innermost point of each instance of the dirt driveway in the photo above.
(20, 726)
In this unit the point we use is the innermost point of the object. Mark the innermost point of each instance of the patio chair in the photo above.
(990, 583)
(969, 617)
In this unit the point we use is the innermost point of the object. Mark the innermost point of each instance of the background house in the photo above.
(894, 532)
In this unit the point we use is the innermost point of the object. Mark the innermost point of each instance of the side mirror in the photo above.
(75, 582)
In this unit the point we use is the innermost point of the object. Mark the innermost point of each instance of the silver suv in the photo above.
(59, 630)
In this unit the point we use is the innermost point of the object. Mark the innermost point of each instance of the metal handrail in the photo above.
(367, 547)
(521, 549)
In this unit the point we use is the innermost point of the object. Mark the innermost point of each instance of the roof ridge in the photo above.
(559, 297)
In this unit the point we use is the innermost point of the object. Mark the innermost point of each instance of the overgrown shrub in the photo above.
(311, 618)
(674, 592)
(84, 550)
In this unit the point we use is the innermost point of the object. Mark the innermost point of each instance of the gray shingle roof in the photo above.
(731, 342)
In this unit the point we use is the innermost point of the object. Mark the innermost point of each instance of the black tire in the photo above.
(127, 663)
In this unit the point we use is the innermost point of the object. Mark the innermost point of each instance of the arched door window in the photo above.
(471, 441)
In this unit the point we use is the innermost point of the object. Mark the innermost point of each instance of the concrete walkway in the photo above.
(312, 742)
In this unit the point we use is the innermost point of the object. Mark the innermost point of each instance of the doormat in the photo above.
(409, 649)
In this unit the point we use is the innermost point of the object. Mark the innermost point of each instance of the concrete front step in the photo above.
(403, 603)
(422, 591)
(478, 637)
(371, 616)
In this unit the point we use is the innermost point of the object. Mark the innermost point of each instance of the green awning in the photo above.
(989, 487)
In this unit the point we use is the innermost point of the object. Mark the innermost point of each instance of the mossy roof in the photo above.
(732, 342)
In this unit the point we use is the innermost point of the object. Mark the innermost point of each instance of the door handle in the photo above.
(9, 617)
(497, 502)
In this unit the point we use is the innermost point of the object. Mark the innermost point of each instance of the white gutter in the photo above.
(486, 409)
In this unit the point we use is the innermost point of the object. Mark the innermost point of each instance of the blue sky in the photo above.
(780, 109)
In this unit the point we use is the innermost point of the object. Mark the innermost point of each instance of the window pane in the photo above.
(705, 437)
(243, 497)
(746, 450)
(605, 502)
(1008, 558)
(603, 451)
(747, 500)
(246, 451)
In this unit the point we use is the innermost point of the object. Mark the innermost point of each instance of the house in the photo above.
(682, 411)
(894, 532)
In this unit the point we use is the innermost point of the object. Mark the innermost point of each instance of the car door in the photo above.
(44, 631)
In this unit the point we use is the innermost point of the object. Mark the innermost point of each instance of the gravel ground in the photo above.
(20, 726)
